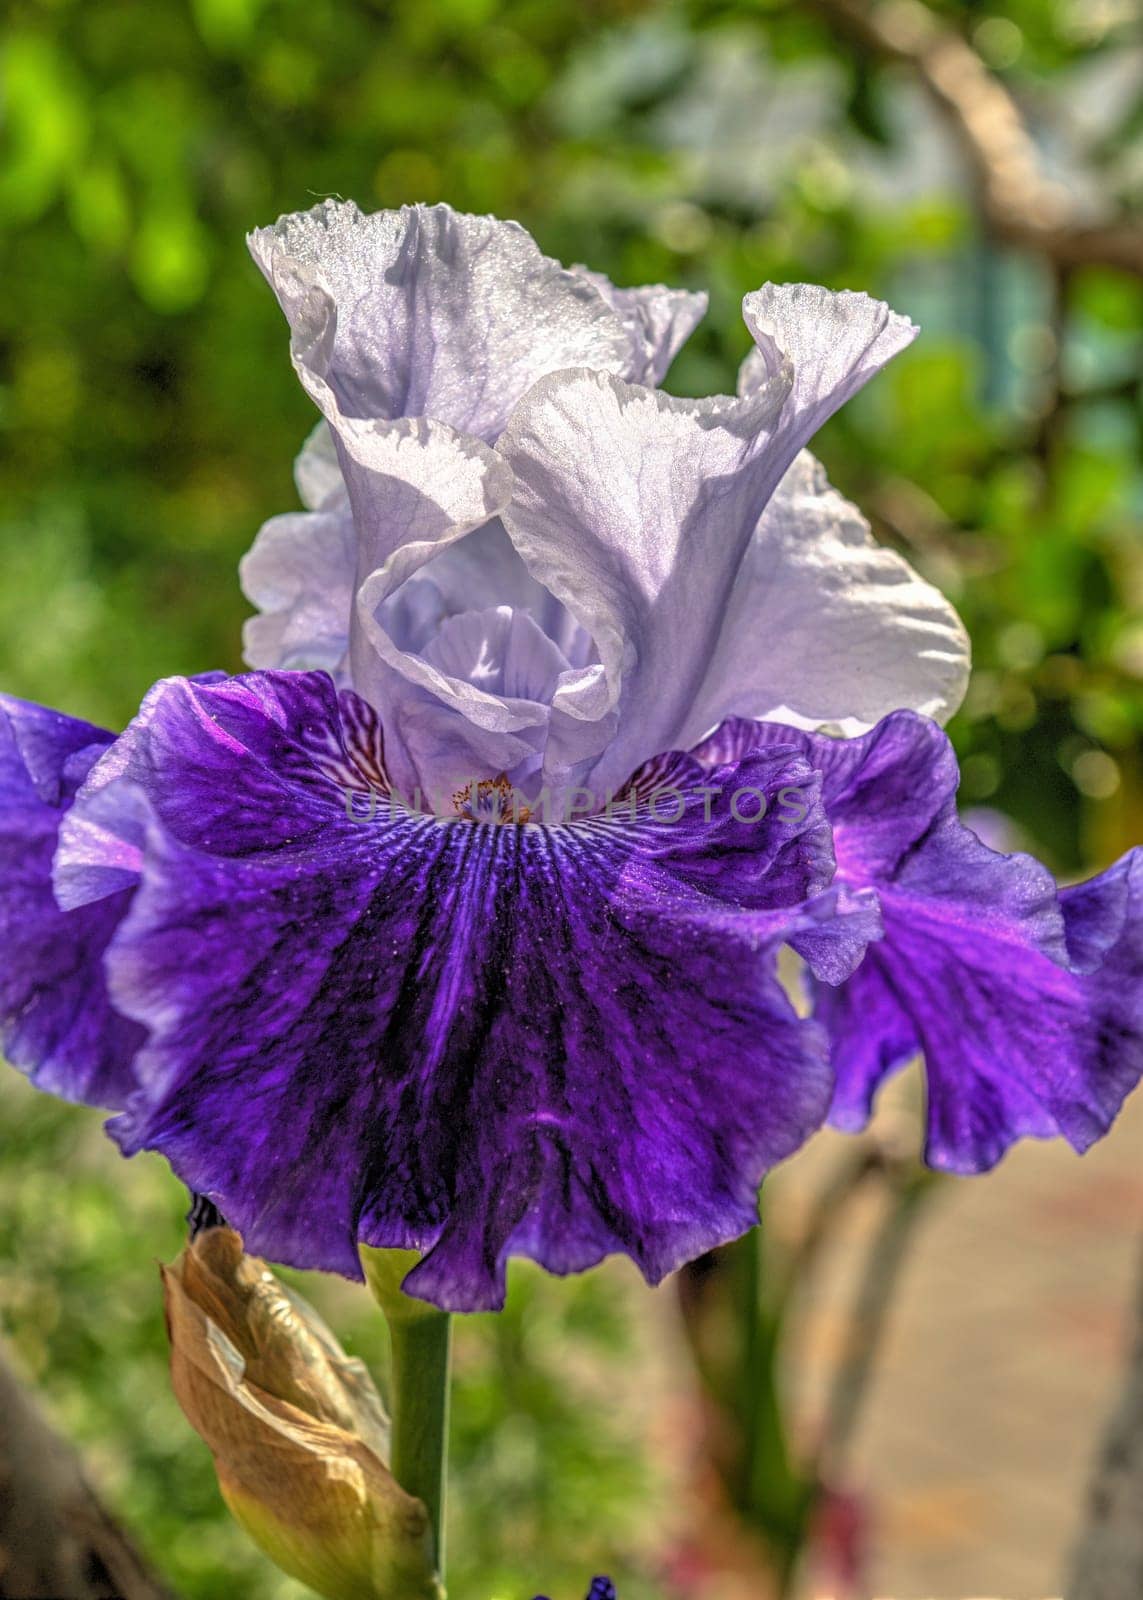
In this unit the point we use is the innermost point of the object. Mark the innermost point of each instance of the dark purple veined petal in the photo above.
(1024, 1001)
(885, 789)
(1103, 923)
(479, 1040)
(56, 1021)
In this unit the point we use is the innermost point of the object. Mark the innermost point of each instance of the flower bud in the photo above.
(298, 1432)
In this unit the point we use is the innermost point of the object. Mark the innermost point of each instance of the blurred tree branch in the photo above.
(1019, 204)
(57, 1542)
(1109, 1561)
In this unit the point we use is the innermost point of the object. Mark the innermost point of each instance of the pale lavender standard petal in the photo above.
(475, 1039)
(429, 312)
(380, 596)
(821, 617)
(56, 1021)
(658, 319)
(636, 517)
(420, 312)
(1023, 1001)
(302, 570)
(835, 341)
(420, 490)
(634, 509)
(300, 573)
(317, 471)
(411, 331)
(428, 488)
(638, 511)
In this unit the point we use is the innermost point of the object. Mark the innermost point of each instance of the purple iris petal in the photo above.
(1103, 921)
(601, 1589)
(56, 1021)
(1025, 1002)
(475, 1039)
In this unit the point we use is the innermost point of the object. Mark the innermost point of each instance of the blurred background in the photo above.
(978, 165)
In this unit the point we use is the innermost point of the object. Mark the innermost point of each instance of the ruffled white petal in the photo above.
(659, 320)
(476, 702)
(638, 510)
(429, 312)
(822, 618)
(317, 471)
(300, 572)
(634, 509)
(835, 341)
(499, 650)
(302, 568)
(421, 648)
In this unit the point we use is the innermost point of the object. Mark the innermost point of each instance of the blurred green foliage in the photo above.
(148, 419)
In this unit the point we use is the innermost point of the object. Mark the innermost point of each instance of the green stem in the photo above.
(420, 1339)
(772, 1494)
(420, 1397)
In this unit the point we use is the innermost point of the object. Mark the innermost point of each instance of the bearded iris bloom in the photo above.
(392, 941)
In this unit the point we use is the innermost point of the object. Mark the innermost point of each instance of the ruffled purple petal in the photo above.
(751, 832)
(836, 929)
(1103, 923)
(1101, 915)
(882, 792)
(1009, 1042)
(475, 1039)
(56, 1021)
(1023, 1002)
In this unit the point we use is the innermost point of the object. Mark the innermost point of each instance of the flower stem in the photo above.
(420, 1397)
(420, 1339)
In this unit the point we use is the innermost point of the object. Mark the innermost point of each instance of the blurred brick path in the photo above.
(1002, 1358)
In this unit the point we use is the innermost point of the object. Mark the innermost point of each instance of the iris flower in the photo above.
(452, 925)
